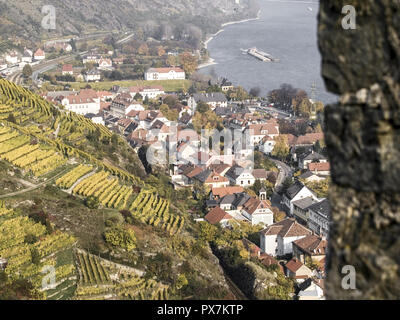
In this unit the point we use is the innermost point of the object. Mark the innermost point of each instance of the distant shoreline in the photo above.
(211, 61)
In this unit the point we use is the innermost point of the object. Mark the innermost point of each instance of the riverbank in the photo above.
(211, 61)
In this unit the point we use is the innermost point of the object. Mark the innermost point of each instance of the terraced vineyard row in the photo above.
(106, 188)
(95, 281)
(17, 149)
(68, 180)
(153, 210)
(14, 230)
(92, 271)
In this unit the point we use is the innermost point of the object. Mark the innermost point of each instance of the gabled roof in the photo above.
(260, 173)
(67, 68)
(234, 172)
(268, 128)
(309, 138)
(294, 189)
(218, 167)
(294, 265)
(313, 156)
(222, 192)
(216, 215)
(323, 207)
(312, 244)
(288, 227)
(194, 172)
(319, 166)
(254, 204)
(306, 175)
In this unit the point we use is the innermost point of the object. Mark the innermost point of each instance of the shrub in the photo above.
(121, 237)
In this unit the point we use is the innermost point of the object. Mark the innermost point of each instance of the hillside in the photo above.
(74, 197)
(23, 18)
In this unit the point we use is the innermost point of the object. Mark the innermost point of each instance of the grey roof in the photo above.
(323, 207)
(210, 97)
(241, 199)
(211, 203)
(294, 189)
(304, 203)
(234, 172)
(306, 175)
(228, 199)
(236, 200)
(314, 156)
(202, 176)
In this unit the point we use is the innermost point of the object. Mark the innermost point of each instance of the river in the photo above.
(288, 31)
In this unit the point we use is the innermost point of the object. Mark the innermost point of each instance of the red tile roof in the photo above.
(287, 228)
(312, 244)
(165, 70)
(222, 192)
(319, 166)
(294, 265)
(67, 68)
(216, 215)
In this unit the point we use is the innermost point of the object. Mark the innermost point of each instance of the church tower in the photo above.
(263, 194)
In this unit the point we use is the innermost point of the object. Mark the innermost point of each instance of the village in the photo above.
(274, 180)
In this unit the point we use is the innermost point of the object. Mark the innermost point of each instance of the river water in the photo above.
(288, 31)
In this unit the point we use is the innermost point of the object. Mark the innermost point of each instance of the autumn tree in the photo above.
(143, 49)
(160, 51)
(188, 62)
(172, 61)
(281, 148)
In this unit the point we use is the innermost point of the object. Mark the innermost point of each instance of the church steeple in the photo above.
(262, 194)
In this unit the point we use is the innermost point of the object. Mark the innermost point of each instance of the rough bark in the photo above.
(363, 138)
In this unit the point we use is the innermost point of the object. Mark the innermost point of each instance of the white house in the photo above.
(151, 92)
(92, 75)
(310, 290)
(81, 104)
(27, 56)
(258, 211)
(267, 144)
(213, 99)
(123, 104)
(39, 55)
(277, 239)
(67, 69)
(91, 58)
(105, 64)
(12, 57)
(259, 131)
(165, 74)
(239, 176)
(296, 192)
